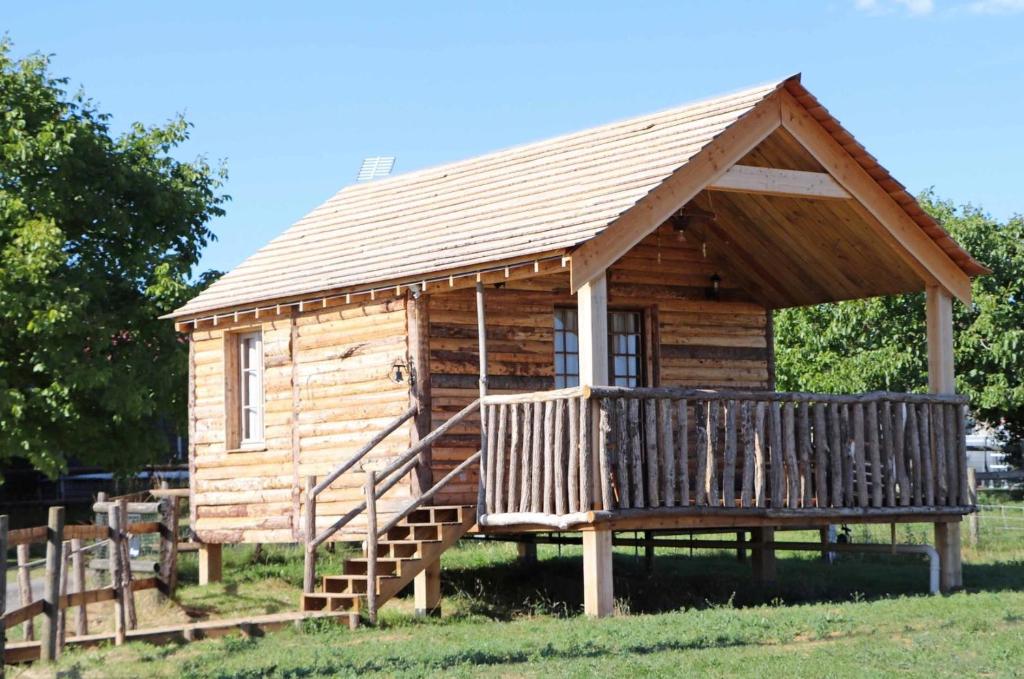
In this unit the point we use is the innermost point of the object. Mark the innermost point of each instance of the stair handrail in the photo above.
(384, 480)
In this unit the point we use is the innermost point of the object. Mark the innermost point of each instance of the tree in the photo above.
(880, 343)
(99, 236)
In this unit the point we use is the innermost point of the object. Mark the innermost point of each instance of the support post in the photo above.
(25, 591)
(427, 590)
(131, 620)
(371, 545)
(169, 545)
(763, 557)
(115, 565)
(481, 334)
(210, 563)
(741, 550)
(527, 552)
(78, 583)
(941, 380)
(648, 552)
(308, 535)
(51, 586)
(598, 592)
(972, 518)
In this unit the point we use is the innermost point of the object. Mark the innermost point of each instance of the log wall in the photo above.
(694, 339)
(328, 390)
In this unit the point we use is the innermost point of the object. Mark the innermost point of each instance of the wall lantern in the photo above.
(398, 371)
(712, 292)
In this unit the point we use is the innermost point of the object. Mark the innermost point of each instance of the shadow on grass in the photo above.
(553, 586)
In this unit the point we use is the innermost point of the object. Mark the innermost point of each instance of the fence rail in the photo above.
(575, 450)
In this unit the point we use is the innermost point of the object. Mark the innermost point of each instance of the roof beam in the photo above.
(890, 220)
(777, 182)
(591, 259)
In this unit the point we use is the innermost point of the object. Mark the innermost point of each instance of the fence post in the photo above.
(51, 585)
(78, 583)
(3, 590)
(131, 620)
(371, 546)
(25, 591)
(62, 615)
(114, 564)
(168, 545)
(972, 499)
(308, 535)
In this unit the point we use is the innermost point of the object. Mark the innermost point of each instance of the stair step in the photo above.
(385, 565)
(352, 584)
(398, 549)
(426, 531)
(331, 601)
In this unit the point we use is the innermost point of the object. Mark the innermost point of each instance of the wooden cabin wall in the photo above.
(698, 342)
(327, 389)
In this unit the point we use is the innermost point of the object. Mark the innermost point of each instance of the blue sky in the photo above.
(293, 95)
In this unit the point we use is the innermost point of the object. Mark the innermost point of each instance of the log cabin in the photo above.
(573, 335)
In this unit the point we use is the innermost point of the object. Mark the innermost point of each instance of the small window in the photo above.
(625, 348)
(567, 349)
(249, 408)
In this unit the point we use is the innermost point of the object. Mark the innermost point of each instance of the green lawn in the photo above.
(696, 615)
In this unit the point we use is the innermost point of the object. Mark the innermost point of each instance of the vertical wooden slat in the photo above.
(760, 456)
(835, 444)
(559, 457)
(913, 438)
(526, 480)
(939, 447)
(967, 489)
(78, 584)
(604, 455)
(682, 437)
(549, 457)
(711, 468)
(512, 494)
(803, 432)
(622, 450)
(924, 435)
(778, 490)
(62, 615)
(573, 404)
(491, 412)
(700, 422)
(729, 459)
(666, 452)
(537, 459)
(859, 456)
(952, 460)
(876, 454)
(747, 434)
(849, 471)
(651, 451)
(635, 454)
(906, 494)
(792, 469)
(25, 591)
(888, 455)
(820, 456)
(586, 455)
(499, 458)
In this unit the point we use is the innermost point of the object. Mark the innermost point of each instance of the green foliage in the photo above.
(98, 237)
(880, 343)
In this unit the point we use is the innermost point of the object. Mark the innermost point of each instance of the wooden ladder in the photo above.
(415, 543)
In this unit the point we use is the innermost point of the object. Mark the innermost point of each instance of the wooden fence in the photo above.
(575, 450)
(65, 561)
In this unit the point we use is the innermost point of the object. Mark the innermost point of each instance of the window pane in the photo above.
(572, 342)
(572, 364)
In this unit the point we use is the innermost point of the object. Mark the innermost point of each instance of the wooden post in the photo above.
(25, 591)
(78, 583)
(941, 380)
(763, 559)
(308, 534)
(131, 620)
(114, 564)
(51, 585)
(592, 306)
(972, 499)
(598, 592)
(62, 628)
(648, 552)
(481, 334)
(527, 552)
(418, 324)
(371, 545)
(427, 590)
(210, 563)
(169, 545)
(3, 591)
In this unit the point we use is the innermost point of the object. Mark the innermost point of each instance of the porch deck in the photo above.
(663, 458)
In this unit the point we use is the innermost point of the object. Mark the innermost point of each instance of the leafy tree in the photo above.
(99, 234)
(880, 343)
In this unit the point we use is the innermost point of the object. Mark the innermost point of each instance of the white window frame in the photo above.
(249, 400)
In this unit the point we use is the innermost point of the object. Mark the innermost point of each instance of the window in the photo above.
(567, 349)
(625, 348)
(249, 392)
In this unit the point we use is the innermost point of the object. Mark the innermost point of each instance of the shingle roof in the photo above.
(525, 201)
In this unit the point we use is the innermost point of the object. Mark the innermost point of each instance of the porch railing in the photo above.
(667, 447)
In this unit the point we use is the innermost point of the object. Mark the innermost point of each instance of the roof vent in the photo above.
(375, 167)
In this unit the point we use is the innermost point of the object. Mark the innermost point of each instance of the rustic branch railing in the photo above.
(665, 447)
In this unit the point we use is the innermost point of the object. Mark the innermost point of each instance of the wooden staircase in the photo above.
(415, 543)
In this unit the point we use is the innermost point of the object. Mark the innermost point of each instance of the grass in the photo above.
(698, 615)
